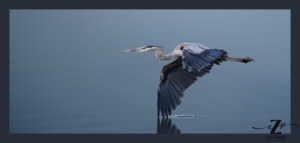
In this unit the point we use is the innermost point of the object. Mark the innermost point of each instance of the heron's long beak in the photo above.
(131, 50)
(136, 50)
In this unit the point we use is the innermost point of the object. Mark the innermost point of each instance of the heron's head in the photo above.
(147, 48)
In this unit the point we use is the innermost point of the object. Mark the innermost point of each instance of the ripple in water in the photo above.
(188, 116)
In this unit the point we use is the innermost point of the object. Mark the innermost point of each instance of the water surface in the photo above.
(69, 72)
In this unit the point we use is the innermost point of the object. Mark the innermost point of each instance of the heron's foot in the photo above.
(246, 60)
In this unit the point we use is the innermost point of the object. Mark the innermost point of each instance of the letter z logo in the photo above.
(275, 127)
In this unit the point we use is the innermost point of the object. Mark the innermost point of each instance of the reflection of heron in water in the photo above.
(193, 60)
(166, 127)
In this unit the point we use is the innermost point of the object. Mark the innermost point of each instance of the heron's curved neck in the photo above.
(160, 56)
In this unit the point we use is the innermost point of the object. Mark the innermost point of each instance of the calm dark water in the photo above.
(69, 72)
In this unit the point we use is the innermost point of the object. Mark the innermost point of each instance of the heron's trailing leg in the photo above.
(244, 60)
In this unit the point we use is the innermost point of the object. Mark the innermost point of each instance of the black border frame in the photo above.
(135, 4)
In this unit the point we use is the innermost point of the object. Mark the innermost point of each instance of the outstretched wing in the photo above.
(177, 76)
(199, 56)
(174, 81)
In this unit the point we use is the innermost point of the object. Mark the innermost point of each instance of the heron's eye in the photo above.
(144, 48)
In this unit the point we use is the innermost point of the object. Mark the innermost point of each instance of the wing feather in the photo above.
(174, 84)
(166, 101)
(177, 76)
(173, 99)
(162, 106)
(189, 76)
(182, 80)
(199, 56)
(176, 95)
(158, 101)
(200, 61)
(169, 101)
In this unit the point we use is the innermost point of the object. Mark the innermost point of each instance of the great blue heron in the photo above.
(193, 60)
